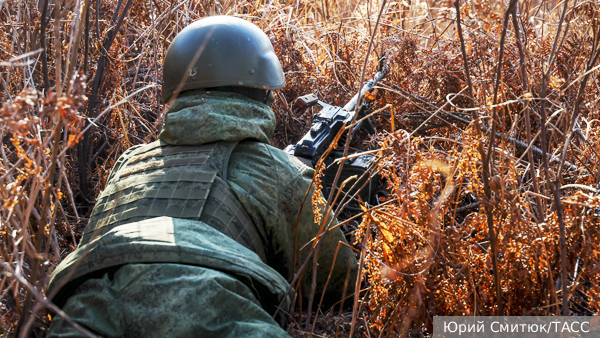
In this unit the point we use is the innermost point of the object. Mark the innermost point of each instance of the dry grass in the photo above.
(457, 190)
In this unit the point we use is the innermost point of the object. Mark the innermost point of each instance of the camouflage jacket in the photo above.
(269, 184)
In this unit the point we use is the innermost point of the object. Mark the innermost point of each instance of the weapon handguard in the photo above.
(326, 125)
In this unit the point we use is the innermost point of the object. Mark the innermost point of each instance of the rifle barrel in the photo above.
(368, 86)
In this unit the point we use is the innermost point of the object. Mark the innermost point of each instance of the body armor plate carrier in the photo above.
(188, 182)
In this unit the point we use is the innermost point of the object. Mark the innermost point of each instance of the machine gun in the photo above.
(326, 125)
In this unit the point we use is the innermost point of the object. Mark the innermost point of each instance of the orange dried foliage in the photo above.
(428, 253)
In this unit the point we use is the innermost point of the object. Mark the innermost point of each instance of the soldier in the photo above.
(194, 234)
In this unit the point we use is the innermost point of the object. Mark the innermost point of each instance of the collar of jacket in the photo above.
(199, 117)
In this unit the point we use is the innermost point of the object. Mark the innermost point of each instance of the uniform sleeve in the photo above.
(345, 262)
(271, 186)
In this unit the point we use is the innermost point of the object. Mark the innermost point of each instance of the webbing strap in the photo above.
(171, 176)
(226, 155)
(150, 146)
(222, 193)
(178, 210)
(161, 152)
(175, 162)
(160, 193)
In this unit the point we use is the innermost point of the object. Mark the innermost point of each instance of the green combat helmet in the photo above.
(220, 51)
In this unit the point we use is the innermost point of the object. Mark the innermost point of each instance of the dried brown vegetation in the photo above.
(489, 152)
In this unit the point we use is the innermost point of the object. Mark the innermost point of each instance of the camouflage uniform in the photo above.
(137, 275)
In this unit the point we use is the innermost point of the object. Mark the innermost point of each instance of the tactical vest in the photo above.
(187, 182)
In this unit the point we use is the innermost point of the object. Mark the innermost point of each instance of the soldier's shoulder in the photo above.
(279, 162)
(287, 160)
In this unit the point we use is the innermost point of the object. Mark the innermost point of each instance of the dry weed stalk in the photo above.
(536, 108)
(542, 237)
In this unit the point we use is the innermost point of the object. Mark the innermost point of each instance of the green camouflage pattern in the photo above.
(198, 117)
(165, 300)
(271, 186)
(170, 240)
(175, 181)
